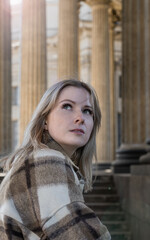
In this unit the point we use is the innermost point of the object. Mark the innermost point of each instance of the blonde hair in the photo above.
(35, 130)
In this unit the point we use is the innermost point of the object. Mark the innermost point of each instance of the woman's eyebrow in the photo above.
(88, 106)
(67, 100)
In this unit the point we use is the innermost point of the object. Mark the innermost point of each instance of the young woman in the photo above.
(41, 195)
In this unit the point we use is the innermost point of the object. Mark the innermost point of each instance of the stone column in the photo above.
(112, 85)
(5, 77)
(136, 80)
(135, 71)
(100, 75)
(68, 39)
(33, 58)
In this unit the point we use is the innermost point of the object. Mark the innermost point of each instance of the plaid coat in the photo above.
(41, 198)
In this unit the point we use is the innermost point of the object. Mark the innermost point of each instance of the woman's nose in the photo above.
(79, 118)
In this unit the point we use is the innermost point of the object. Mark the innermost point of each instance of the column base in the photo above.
(145, 159)
(127, 155)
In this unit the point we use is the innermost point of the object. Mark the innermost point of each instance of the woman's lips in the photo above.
(81, 131)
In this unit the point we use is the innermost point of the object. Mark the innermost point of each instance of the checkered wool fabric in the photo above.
(41, 198)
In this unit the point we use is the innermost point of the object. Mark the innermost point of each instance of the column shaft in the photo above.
(136, 85)
(112, 85)
(5, 77)
(136, 71)
(100, 76)
(33, 62)
(68, 39)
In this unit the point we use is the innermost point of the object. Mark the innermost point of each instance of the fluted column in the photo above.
(100, 75)
(136, 71)
(68, 39)
(5, 77)
(33, 58)
(136, 79)
(112, 85)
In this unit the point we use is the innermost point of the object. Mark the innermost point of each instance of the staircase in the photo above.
(105, 203)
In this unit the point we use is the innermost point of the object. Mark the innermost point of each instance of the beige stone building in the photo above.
(104, 43)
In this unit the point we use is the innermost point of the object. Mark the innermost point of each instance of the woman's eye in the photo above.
(67, 106)
(88, 111)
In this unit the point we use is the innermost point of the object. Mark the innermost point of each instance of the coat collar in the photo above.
(52, 144)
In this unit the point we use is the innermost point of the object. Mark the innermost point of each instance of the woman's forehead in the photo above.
(75, 94)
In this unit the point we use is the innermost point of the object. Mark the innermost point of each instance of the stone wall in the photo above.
(134, 192)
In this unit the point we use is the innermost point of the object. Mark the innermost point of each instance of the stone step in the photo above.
(101, 184)
(101, 198)
(119, 226)
(124, 235)
(103, 178)
(104, 206)
(104, 201)
(104, 190)
(109, 216)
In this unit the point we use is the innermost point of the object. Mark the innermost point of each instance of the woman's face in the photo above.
(70, 122)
